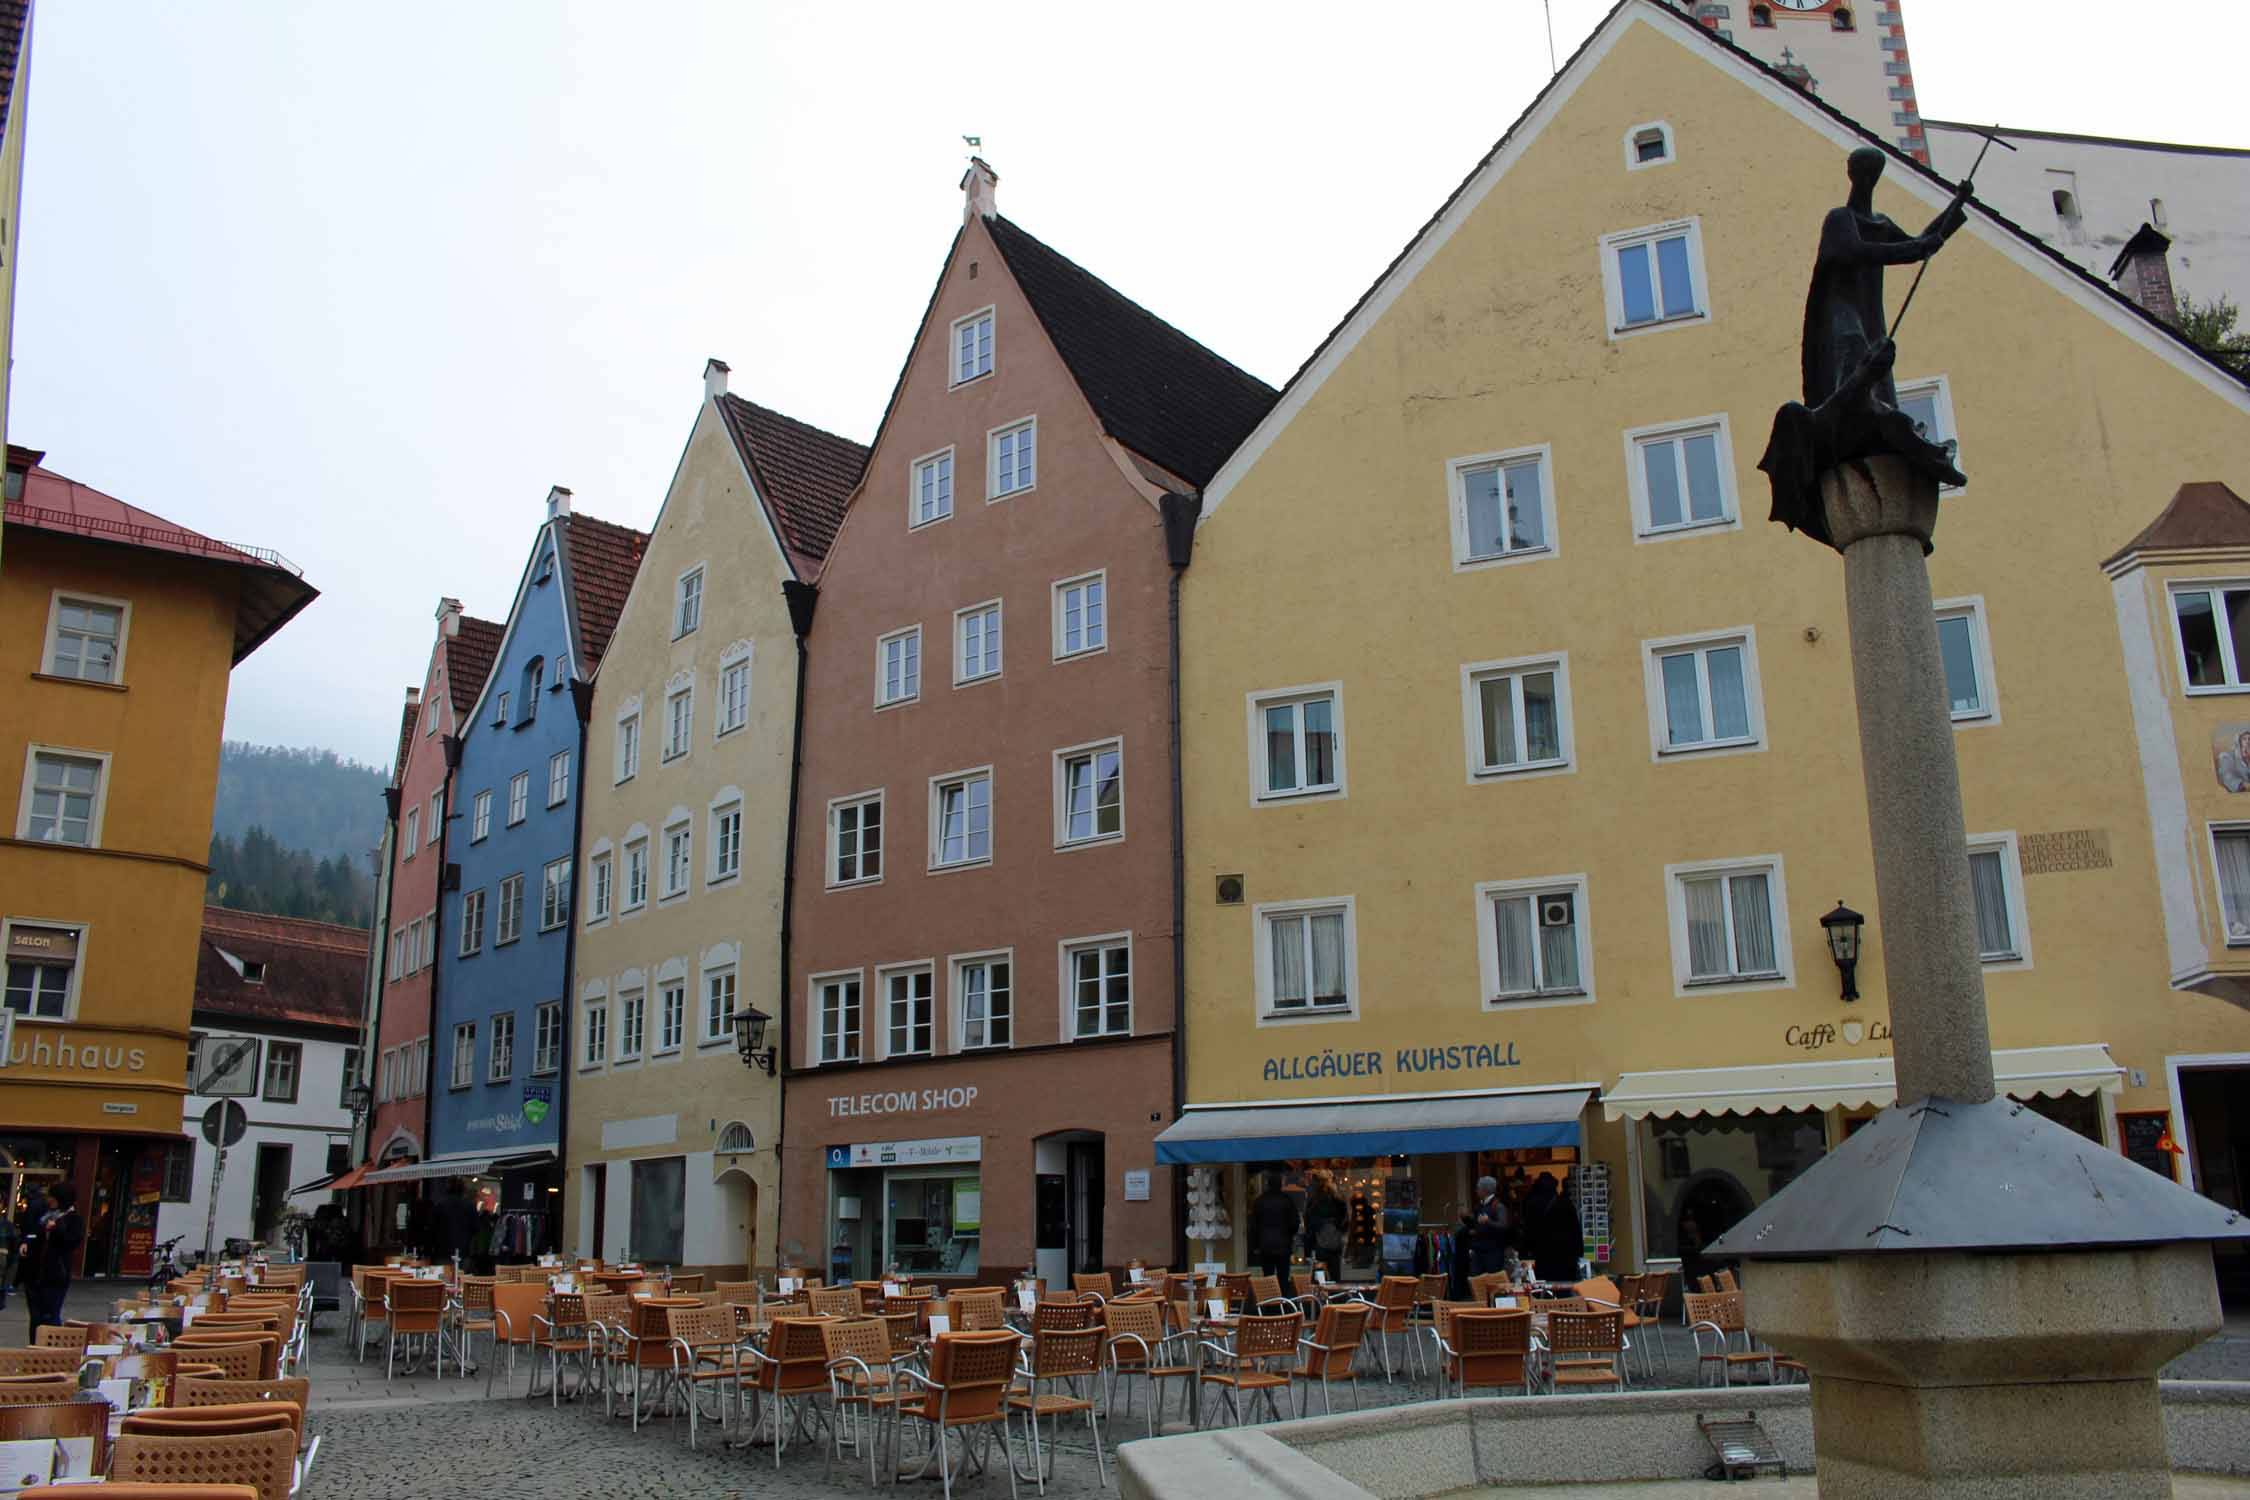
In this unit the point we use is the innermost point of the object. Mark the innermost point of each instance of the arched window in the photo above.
(2066, 203)
(534, 676)
(1761, 15)
(735, 1138)
(1841, 18)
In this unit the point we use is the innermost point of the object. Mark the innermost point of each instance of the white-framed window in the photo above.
(509, 924)
(898, 667)
(600, 870)
(43, 961)
(547, 1037)
(554, 895)
(500, 710)
(1097, 976)
(1652, 277)
(679, 722)
(976, 642)
(671, 1015)
(961, 819)
(1090, 793)
(929, 490)
(726, 842)
(909, 1022)
(636, 875)
(734, 693)
(2212, 622)
(596, 1047)
(1297, 742)
(410, 837)
(86, 637)
(2230, 854)
(1929, 401)
(419, 1076)
(1082, 615)
(519, 797)
(1703, 692)
(464, 1054)
(972, 346)
(836, 1007)
(1012, 458)
(718, 1005)
(1517, 716)
(1503, 506)
(628, 747)
(1730, 925)
(1996, 884)
(437, 815)
(679, 859)
(1307, 957)
(855, 839)
(687, 603)
(1648, 145)
(480, 817)
(1532, 943)
(1965, 650)
(500, 1057)
(558, 778)
(284, 1065)
(632, 1023)
(426, 952)
(63, 797)
(472, 922)
(1681, 476)
(983, 1000)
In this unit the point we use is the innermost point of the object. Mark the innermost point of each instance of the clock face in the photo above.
(1801, 4)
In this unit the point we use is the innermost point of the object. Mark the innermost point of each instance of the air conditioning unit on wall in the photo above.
(1555, 911)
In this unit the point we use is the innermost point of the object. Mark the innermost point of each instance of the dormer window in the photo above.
(1648, 145)
(253, 971)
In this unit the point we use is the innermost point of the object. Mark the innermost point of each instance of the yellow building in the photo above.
(119, 630)
(1521, 760)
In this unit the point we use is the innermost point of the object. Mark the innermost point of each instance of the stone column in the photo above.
(1881, 515)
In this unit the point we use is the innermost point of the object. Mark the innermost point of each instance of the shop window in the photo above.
(926, 1222)
(179, 1171)
(1700, 1176)
(43, 971)
(659, 1209)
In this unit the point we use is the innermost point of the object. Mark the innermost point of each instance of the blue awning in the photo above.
(1523, 1119)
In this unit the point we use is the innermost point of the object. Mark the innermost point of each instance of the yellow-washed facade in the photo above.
(1520, 757)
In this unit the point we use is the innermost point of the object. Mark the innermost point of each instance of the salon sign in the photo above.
(1333, 1062)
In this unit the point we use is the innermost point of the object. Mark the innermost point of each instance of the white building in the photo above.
(276, 1030)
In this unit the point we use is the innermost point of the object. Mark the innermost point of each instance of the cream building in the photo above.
(671, 1139)
(1520, 756)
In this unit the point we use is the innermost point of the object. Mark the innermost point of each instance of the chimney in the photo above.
(558, 502)
(978, 185)
(449, 617)
(714, 379)
(413, 697)
(2143, 272)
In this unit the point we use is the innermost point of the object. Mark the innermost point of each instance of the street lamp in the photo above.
(1841, 928)
(750, 1037)
(356, 1099)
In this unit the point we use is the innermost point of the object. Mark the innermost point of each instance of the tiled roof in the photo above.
(600, 558)
(1155, 390)
(804, 475)
(273, 589)
(13, 15)
(313, 975)
(468, 661)
(406, 719)
(2202, 514)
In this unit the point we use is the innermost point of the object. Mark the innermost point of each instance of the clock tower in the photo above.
(1848, 53)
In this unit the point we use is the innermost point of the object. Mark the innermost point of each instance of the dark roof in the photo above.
(2146, 240)
(2008, 132)
(600, 558)
(314, 970)
(468, 661)
(2202, 514)
(406, 719)
(271, 588)
(804, 475)
(14, 15)
(1153, 388)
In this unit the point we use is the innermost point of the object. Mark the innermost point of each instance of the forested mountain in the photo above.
(313, 800)
(255, 873)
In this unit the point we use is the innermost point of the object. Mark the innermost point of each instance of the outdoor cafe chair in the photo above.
(964, 1392)
(472, 1315)
(1063, 1316)
(737, 1291)
(1482, 1289)
(703, 1346)
(1483, 1347)
(838, 1301)
(1246, 1370)
(1719, 1316)
(1605, 1295)
(609, 1328)
(39, 1360)
(63, 1421)
(1138, 1346)
(516, 1310)
(978, 1310)
(115, 1491)
(1099, 1283)
(416, 1310)
(264, 1460)
(63, 1336)
(862, 1388)
(648, 1348)
(236, 1361)
(563, 1331)
(786, 1379)
(1394, 1319)
(1586, 1350)
(905, 1330)
(1236, 1287)
(687, 1285)
(1067, 1358)
(37, 1390)
(213, 1390)
(1332, 1353)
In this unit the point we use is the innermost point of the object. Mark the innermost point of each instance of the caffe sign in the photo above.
(1827, 1033)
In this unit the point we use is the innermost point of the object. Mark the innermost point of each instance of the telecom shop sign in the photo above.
(956, 1148)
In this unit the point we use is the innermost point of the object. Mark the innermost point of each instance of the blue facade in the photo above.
(504, 950)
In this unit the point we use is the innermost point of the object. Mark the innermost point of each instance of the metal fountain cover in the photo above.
(1944, 1176)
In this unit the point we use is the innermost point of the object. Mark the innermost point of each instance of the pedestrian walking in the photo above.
(1273, 1229)
(49, 1256)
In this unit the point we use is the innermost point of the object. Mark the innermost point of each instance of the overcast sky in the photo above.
(359, 282)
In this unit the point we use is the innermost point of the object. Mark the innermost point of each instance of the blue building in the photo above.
(500, 1030)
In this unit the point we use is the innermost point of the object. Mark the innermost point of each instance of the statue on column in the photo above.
(1850, 408)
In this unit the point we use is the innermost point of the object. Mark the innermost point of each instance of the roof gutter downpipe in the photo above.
(1180, 514)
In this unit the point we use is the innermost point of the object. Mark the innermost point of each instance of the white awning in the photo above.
(1860, 1082)
(1374, 1127)
(442, 1166)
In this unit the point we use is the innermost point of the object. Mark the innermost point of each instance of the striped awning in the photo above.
(423, 1171)
(1855, 1083)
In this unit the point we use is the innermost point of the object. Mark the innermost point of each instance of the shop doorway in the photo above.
(738, 1219)
(1069, 1184)
(105, 1218)
(596, 1215)
(269, 1189)
(2213, 1125)
(1083, 1236)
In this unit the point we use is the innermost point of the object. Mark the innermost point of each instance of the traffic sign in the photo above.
(224, 1123)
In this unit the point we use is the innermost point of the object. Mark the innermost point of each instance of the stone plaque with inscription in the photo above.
(2068, 849)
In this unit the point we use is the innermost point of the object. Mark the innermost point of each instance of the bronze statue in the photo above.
(1850, 407)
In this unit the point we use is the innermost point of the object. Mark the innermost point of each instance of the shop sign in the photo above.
(907, 1153)
(60, 1052)
(49, 945)
(901, 1101)
(504, 1123)
(538, 1098)
(1330, 1063)
(1136, 1185)
(1826, 1033)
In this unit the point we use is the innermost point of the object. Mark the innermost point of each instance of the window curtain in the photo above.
(2234, 882)
(1288, 938)
(1706, 927)
(1499, 704)
(1753, 925)
(1281, 748)
(1512, 919)
(1328, 959)
(1542, 725)
(1481, 492)
(1988, 879)
(1558, 956)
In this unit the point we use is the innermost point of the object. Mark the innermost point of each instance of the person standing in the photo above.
(1273, 1230)
(456, 1222)
(1488, 1230)
(1552, 1232)
(1324, 1225)
(47, 1275)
